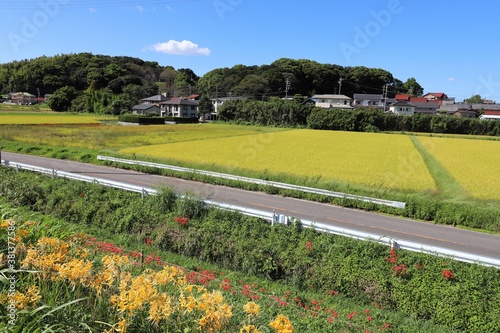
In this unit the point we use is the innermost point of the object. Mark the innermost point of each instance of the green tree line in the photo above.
(85, 82)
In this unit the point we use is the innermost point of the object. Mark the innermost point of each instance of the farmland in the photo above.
(373, 160)
(49, 118)
(472, 163)
(331, 159)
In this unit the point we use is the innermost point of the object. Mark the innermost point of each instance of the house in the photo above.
(402, 97)
(402, 108)
(426, 107)
(146, 109)
(465, 109)
(156, 99)
(489, 112)
(436, 96)
(179, 107)
(333, 101)
(372, 101)
(217, 102)
(466, 113)
(22, 98)
(368, 100)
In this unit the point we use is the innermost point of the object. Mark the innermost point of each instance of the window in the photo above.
(193, 108)
(185, 107)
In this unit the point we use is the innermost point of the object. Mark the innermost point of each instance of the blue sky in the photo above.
(448, 46)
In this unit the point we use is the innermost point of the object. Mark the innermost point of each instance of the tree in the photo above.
(205, 105)
(412, 87)
(475, 99)
(62, 98)
(252, 85)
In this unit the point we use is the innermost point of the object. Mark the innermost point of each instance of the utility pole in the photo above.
(385, 88)
(340, 85)
(288, 84)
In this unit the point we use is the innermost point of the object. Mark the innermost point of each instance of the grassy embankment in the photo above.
(321, 282)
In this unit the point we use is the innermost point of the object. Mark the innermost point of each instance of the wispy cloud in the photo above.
(92, 10)
(140, 9)
(185, 47)
(452, 79)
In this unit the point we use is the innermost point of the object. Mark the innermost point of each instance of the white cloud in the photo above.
(140, 9)
(185, 47)
(452, 79)
(92, 10)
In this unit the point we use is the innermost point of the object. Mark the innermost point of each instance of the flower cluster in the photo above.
(282, 324)
(181, 220)
(447, 275)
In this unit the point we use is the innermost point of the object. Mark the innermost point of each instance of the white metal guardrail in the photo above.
(274, 218)
(390, 203)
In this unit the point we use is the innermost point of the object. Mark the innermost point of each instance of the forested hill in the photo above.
(105, 84)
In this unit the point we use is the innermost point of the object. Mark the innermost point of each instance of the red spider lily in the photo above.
(400, 269)
(447, 275)
(369, 318)
(309, 246)
(181, 220)
(225, 285)
(148, 241)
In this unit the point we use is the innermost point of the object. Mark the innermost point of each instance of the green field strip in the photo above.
(447, 185)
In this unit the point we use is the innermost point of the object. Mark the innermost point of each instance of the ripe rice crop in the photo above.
(473, 163)
(117, 137)
(24, 118)
(374, 160)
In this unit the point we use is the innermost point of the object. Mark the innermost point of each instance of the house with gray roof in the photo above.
(331, 101)
(402, 108)
(146, 109)
(465, 109)
(179, 107)
(156, 99)
(428, 108)
(368, 100)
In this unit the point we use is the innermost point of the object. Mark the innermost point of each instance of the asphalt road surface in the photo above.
(424, 233)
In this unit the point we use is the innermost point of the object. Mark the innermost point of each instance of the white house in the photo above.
(333, 101)
(368, 100)
(402, 108)
(179, 107)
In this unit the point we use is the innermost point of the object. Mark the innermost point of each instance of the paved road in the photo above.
(398, 228)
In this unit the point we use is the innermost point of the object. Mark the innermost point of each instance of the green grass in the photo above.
(448, 187)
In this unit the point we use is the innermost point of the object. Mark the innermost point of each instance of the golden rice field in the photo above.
(117, 137)
(474, 164)
(378, 161)
(373, 160)
(32, 118)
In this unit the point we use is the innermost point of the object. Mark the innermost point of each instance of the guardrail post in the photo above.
(144, 193)
(54, 173)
